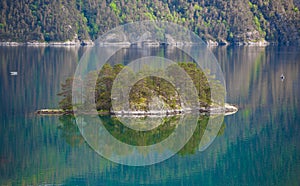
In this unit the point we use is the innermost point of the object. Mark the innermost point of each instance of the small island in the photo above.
(149, 96)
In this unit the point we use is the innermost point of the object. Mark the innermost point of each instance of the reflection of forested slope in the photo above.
(253, 74)
(266, 127)
(259, 145)
(40, 72)
(253, 82)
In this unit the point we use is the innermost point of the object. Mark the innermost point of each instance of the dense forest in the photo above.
(142, 93)
(222, 21)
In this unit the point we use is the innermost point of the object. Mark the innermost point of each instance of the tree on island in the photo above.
(66, 93)
(144, 91)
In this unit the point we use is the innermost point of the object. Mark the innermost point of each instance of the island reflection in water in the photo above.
(259, 146)
(127, 135)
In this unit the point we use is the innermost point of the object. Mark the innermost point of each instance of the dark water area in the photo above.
(259, 145)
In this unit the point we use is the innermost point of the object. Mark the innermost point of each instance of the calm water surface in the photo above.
(259, 145)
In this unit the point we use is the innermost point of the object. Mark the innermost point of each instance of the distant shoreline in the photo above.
(55, 43)
(209, 43)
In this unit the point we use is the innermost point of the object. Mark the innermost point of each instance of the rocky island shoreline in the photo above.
(227, 110)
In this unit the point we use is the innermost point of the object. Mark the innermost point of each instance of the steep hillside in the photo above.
(233, 21)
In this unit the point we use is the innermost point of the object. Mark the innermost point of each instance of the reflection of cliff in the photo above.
(253, 74)
(266, 128)
(253, 82)
(40, 72)
(130, 54)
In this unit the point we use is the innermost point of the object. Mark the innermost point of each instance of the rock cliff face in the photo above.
(218, 22)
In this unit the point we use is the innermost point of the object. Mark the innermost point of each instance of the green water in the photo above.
(259, 145)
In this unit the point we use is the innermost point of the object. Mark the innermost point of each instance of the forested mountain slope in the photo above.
(231, 21)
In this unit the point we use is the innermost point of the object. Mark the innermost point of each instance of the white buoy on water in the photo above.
(13, 73)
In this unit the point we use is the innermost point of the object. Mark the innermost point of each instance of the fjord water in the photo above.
(259, 145)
